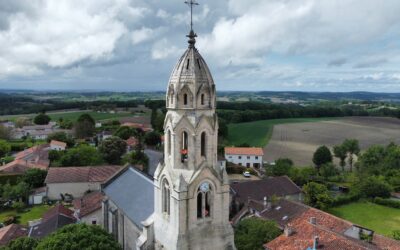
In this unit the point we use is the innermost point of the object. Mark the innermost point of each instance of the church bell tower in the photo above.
(191, 190)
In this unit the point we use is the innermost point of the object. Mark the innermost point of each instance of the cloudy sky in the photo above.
(129, 45)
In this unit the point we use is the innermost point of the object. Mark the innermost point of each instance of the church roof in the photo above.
(133, 193)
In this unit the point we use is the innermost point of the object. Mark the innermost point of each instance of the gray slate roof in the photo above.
(133, 193)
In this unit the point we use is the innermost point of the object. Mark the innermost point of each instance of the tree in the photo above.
(317, 195)
(223, 129)
(22, 121)
(61, 136)
(152, 138)
(35, 177)
(352, 148)
(42, 119)
(282, 167)
(328, 170)
(252, 233)
(372, 187)
(83, 155)
(84, 126)
(322, 156)
(5, 132)
(79, 236)
(22, 243)
(5, 148)
(341, 153)
(125, 132)
(112, 149)
(301, 176)
(137, 157)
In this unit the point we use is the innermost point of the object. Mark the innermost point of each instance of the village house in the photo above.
(131, 144)
(37, 195)
(34, 157)
(38, 132)
(259, 190)
(11, 232)
(76, 181)
(58, 145)
(247, 157)
(144, 127)
(53, 219)
(88, 208)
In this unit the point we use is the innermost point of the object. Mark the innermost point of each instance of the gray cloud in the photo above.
(337, 62)
(370, 63)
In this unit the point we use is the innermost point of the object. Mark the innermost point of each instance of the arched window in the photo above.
(184, 146)
(166, 193)
(204, 200)
(203, 144)
(202, 99)
(169, 141)
(185, 99)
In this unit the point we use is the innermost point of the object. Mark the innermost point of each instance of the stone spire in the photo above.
(192, 36)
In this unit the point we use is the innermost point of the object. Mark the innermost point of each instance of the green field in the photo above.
(258, 133)
(381, 219)
(73, 115)
(31, 213)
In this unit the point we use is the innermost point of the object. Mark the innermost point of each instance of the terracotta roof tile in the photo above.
(132, 141)
(11, 232)
(80, 174)
(57, 210)
(243, 151)
(88, 203)
(58, 143)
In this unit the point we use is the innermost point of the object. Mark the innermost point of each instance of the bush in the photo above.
(345, 199)
(282, 166)
(19, 206)
(22, 243)
(386, 202)
(374, 187)
(9, 220)
(317, 195)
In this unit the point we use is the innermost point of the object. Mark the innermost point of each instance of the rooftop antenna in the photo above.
(191, 35)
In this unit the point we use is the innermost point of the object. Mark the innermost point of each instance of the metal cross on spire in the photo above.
(190, 4)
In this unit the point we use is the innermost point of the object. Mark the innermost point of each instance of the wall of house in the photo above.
(56, 147)
(245, 160)
(76, 189)
(96, 216)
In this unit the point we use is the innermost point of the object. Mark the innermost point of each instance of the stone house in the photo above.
(76, 181)
(88, 208)
(58, 145)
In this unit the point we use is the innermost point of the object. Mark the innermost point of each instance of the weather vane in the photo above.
(190, 4)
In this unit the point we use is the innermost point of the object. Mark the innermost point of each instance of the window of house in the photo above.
(204, 200)
(94, 222)
(185, 99)
(240, 157)
(256, 157)
(248, 157)
(248, 165)
(202, 99)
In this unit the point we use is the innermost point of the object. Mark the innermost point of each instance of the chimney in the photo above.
(313, 220)
(315, 244)
(288, 230)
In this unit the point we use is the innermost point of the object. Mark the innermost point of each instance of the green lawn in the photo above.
(381, 219)
(258, 133)
(72, 115)
(31, 213)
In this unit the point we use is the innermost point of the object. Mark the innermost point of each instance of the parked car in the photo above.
(247, 174)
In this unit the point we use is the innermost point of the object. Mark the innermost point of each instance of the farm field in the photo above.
(258, 133)
(73, 115)
(381, 219)
(298, 141)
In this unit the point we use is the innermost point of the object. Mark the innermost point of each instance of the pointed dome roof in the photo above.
(191, 70)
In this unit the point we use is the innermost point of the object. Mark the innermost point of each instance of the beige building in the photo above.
(186, 205)
(76, 181)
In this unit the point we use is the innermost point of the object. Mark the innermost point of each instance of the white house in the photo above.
(248, 157)
(76, 181)
(58, 145)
